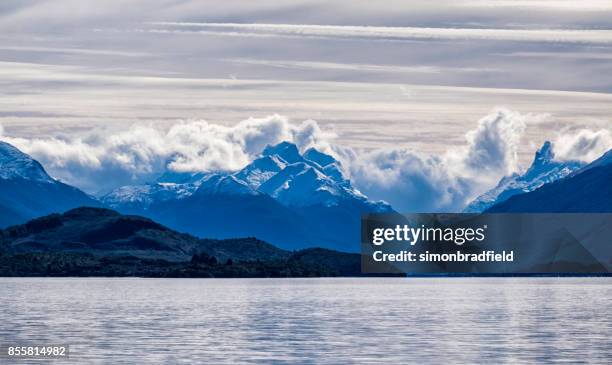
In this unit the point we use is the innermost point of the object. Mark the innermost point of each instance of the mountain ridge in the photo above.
(585, 190)
(15, 164)
(89, 241)
(543, 170)
(281, 197)
(27, 191)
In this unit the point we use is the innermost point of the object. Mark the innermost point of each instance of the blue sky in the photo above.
(409, 75)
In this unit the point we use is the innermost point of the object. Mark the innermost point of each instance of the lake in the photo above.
(323, 321)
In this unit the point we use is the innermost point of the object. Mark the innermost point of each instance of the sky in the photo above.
(403, 77)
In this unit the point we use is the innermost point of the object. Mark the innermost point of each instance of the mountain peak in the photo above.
(268, 163)
(285, 150)
(300, 184)
(225, 184)
(15, 164)
(322, 159)
(544, 155)
(543, 161)
(543, 170)
(260, 170)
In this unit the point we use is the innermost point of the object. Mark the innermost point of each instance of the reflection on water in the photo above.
(391, 321)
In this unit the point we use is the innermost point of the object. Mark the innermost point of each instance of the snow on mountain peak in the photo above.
(225, 184)
(544, 155)
(280, 172)
(260, 170)
(285, 150)
(300, 184)
(320, 158)
(543, 170)
(145, 195)
(15, 164)
(299, 180)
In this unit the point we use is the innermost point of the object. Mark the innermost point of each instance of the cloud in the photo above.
(360, 67)
(563, 54)
(582, 145)
(409, 180)
(420, 183)
(559, 5)
(78, 51)
(494, 144)
(101, 161)
(589, 36)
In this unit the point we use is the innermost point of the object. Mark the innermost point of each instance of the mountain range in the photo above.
(290, 199)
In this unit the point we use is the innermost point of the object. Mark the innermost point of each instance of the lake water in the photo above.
(327, 321)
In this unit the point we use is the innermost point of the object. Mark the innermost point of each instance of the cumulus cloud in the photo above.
(419, 183)
(583, 145)
(409, 180)
(422, 183)
(494, 144)
(100, 161)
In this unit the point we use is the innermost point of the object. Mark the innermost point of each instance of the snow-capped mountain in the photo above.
(301, 184)
(176, 186)
(322, 159)
(27, 191)
(142, 196)
(15, 164)
(281, 172)
(261, 170)
(291, 199)
(286, 151)
(585, 190)
(220, 184)
(544, 170)
(303, 180)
